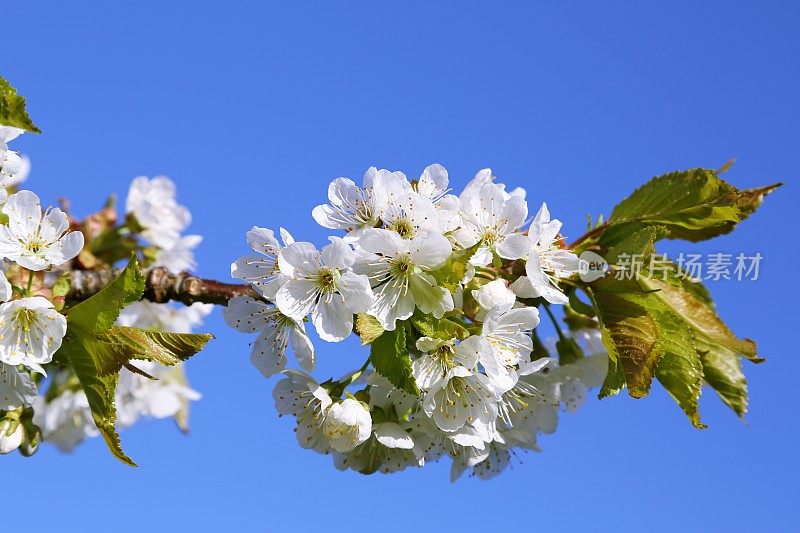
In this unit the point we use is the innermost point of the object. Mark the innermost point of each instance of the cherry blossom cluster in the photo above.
(478, 394)
(37, 245)
(32, 240)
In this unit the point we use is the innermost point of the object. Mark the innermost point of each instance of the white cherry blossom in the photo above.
(179, 254)
(353, 208)
(263, 271)
(440, 356)
(33, 239)
(493, 217)
(322, 283)
(16, 388)
(507, 333)
(164, 317)
(31, 331)
(65, 420)
(461, 397)
(347, 424)
(140, 397)
(13, 167)
(546, 261)
(277, 331)
(433, 186)
(494, 296)
(398, 270)
(300, 396)
(390, 448)
(153, 203)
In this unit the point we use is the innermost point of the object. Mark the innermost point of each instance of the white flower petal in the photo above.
(296, 298)
(431, 250)
(269, 350)
(332, 319)
(303, 349)
(247, 315)
(356, 290)
(513, 246)
(24, 213)
(338, 254)
(393, 435)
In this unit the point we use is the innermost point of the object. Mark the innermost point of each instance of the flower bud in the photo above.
(33, 437)
(11, 434)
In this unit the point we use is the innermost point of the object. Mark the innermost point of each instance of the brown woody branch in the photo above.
(161, 286)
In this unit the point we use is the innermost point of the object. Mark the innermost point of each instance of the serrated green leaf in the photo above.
(12, 109)
(634, 334)
(702, 319)
(455, 268)
(97, 350)
(667, 332)
(159, 346)
(694, 205)
(722, 370)
(88, 358)
(621, 240)
(679, 370)
(100, 312)
(367, 327)
(390, 358)
(438, 328)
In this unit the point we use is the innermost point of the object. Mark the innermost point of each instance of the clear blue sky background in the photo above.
(253, 108)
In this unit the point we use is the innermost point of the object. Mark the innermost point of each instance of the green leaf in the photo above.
(390, 357)
(159, 346)
(89, 358)
(656, 328)
(704, 322)
(100, 312)
(438, 328)
(454, 269)
(632, 331)
(97, 350)
(368, 328)
(694, 205)
(12, 109)
(722, 369)
(621, 240)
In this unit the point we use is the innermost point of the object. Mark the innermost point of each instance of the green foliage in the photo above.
(97, 350)
(390, 358)
(656, 328)
(694, 205)
(438, 328)
(113, 245)
(100, 312)
(12, 109)
(454, 269)
(641, 242)
(159, 346)
(667, 329)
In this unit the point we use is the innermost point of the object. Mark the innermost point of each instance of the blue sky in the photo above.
(252, 108)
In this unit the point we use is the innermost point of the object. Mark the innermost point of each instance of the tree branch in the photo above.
(161, 286)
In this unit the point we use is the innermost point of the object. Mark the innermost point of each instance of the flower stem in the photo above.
(554, 321)
(30, 283)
